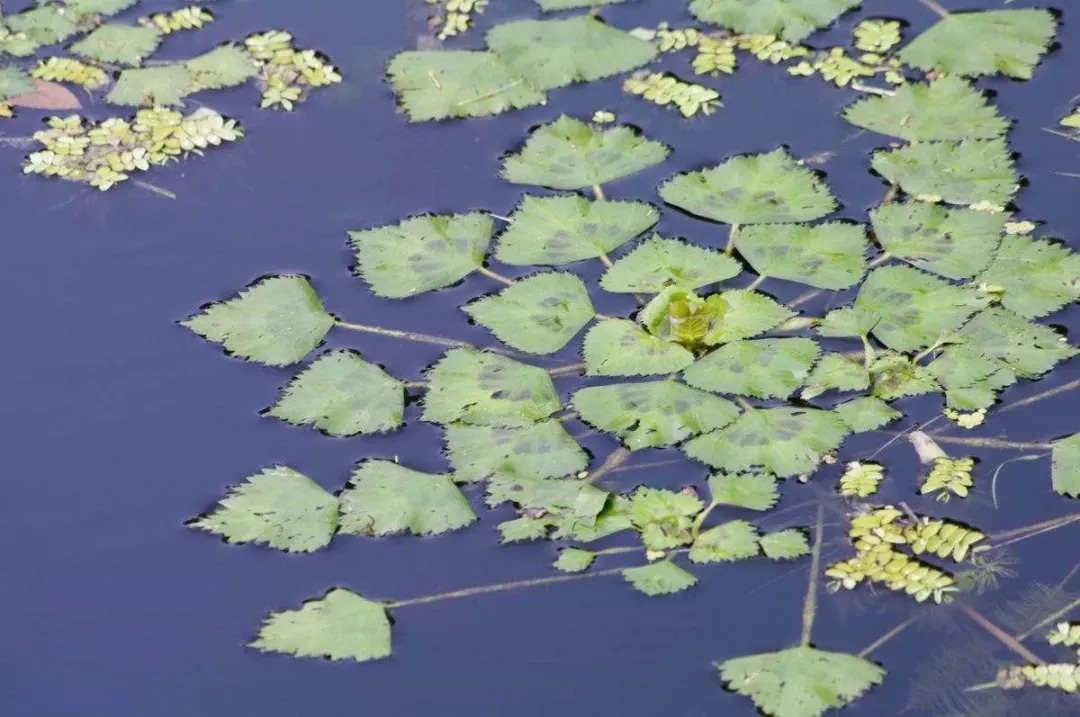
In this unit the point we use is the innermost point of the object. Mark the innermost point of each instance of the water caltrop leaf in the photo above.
(622, 348)
(123, 44)
(755, 491)
(542, 450)
(801, 681)
(422, 253)
(658, 263)
(574, 560)
(276, 321)
(44, 24)
(226, 65)
(1065, 473)
(343, 395)
(764, 368)
(752, 189)
(438, 84)
(1009, 42)
(1038, 276)
(742, 314)
(785, 544)
(792, 20)
(538, 314)
(659, 578)
(14, 82)
(488, 389)
(966, 172)
(565, 229)
(784, 441)
(278, 507)
(98, 7)
(826, 256)
(866, 413)
(164, 85)
(652, 413)
(733, 540)
(835, 371)
(954, 242)
(895, 376)
(383, 497)
(571, 154)
(947, 108)
(970, 378)
(555, 53)
(342, 625)
(1027, 348)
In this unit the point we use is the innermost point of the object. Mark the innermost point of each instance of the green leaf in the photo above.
(114, 43)
(164, 85)
(785, 544)
(828, 256)
(553, 495)
(344, 395)
(341, 625)
(1027, 348)
(661, 578)
(866, 413)
(969, 377)
(895, 376)
(664, 517)
(550, 5)
(277, 507)
(743, 314)
(422, 253)
(275, 321)
(383, 498)
(755, 491)
(226, 65)
(538, 314)
(488, 389)
(785, 441)
(792, 20)
(800, 681)
(556, 53)
(14, 82)
(564, 229)
(1039, 277)
(1009, 42)
(621, 348)
(522, 529)
(44, 24)
(574, 560)
(652, 413)
(98, 7)
(752, 189)
(542, 450)
(955, 243)
(967, 172)
(835, 371)
(947, 108)
(1065, 473)
(437, 84)
(763, 368)
(571, 154)
(733, 540)
(904, 308)
(658, 263)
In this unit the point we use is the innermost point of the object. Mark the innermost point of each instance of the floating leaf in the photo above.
(44, 24)
(46, 96)
(955, 243)
(660, 578)
(621, 348)
(341, 625)
(1066, 466)
(828, 256)
(742, 314)
(785, 544)
(344, 395)
(785, 441)
(574, 560)
(664, 517)
(114, 43)
(904, 308)
(947, 108)
(571, 154)
(752, 189)
(756, 491)
(555, 53)
(895, 376)
(988, 42)
(275, 321)
(437, 84)
(550, 5)
(967, 172)
(98, 7)
(866, 413)
(763, 368)
(164, 85)
(969, 377)
(522, 529)
(488, 389)
(226, 65)
(543, 450)
(801, 681)
(733, 540)
(564, 229)
(835, 371)
(792, 20)
(422, 253)
(1027, 348)
(658, 263)
(538, 315)
(652, 413)
(277, 507)
(383, 497)
(13, 82)
(1038, 277)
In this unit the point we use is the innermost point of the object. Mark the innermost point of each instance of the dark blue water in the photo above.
(119, 425)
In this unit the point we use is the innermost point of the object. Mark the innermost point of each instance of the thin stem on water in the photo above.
(616, 458)
(888, 636)
(733, 235)
(160, 191)
(598, 192)
(500, 587)
(810, 603)
(756, 282)
(406, 335)
(700, 519)
(942, 12)
(1000, 635)
(1040, 396)
(652, 464)
(496, 276)
(568, 369)
(993, 443)
(605, 260)
(1052, 617)
(868, 351)
(744, 404)
(1035, 528)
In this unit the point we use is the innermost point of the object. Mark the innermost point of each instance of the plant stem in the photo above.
(872, 90)
(160, 191)
(756, 282)
(888, 636)
(1040, 396)
(496, 276)
(567, 417)
(1052, 617)
(1000, 635)
(406, 335)
(733, 235)
(868, 351)
(810, 603)
(598, 192)
(616, 458)
(942, 12)
(566, 370)
(653, 464)
(992, 443)
(500, 587)
(1059, 522)
(414, 384)
(746, 405)
(605, 259)
(700, 519)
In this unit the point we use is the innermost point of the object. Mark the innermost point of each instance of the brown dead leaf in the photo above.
(47, 96)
